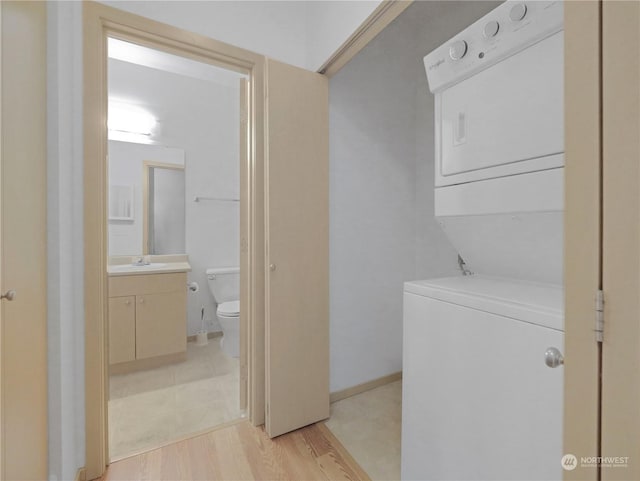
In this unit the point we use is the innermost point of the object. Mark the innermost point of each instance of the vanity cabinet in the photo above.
(147, 316)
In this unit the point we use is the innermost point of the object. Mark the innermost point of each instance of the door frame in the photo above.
(100, 22)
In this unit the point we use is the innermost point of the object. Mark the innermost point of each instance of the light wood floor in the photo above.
(243, 452)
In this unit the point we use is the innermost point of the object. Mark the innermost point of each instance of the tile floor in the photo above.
(369, 425)
(153, 407)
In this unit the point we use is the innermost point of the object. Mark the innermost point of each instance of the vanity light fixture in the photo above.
(130, 123)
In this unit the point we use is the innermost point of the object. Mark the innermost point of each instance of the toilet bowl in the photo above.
(224, 284)
(228, 314)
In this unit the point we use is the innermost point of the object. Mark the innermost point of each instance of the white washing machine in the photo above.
(479, 402)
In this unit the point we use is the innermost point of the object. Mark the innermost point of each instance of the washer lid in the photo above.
(541, 304)
(231, 308)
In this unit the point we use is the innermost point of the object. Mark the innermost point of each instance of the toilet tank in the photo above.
(224, 283)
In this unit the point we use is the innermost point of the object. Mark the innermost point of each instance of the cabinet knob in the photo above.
(272, 267)
(142, 300)
(127, 302)
(553, 357)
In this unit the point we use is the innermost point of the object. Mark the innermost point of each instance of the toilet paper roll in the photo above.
(193, 286)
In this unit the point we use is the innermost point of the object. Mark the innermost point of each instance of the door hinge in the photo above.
(599, 330)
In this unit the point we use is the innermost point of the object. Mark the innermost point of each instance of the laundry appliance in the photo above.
(479, 401)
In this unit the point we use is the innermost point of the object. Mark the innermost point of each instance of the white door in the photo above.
(23, 348)
(297, 222)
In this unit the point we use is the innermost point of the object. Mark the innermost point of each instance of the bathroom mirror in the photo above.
(163, 208)
(146, 179)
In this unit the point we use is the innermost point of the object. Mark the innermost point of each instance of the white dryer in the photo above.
(479, 403)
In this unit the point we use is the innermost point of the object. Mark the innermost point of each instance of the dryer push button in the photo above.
(518, 12)
(458, 49)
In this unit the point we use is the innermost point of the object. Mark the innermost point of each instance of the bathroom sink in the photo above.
(133, 267)
(127, 266)
(153, 265)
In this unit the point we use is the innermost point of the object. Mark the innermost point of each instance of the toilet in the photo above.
(224, 284)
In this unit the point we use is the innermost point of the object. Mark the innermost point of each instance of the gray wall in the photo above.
(382, 228)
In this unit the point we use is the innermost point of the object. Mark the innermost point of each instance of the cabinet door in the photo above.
(160, 324)
(122, 329)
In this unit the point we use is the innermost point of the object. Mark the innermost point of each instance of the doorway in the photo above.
(173, 227)
(100, 24)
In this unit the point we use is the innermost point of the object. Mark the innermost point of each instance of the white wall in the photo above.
(330, 23)
(202, 118)
(382, 228)
(301, 33)
(65, 240)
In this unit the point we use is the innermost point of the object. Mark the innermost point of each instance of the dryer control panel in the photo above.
(509, 28)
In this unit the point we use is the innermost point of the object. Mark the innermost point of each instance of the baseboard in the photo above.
(365, 386)
(81, 474)
(210, 335)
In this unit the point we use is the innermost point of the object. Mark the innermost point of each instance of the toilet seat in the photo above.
(229, 309)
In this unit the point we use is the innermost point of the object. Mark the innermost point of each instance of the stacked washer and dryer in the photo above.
(479, 401)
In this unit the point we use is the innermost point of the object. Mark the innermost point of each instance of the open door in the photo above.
(621, 240)
(23, 309)
(297, 257)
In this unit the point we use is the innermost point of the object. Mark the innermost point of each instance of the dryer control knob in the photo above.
(491, 29)
(458, 49)
(518, 12)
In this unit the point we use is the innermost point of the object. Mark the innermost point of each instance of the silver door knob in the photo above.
(9, 295)
(553, 357)
(272, 267)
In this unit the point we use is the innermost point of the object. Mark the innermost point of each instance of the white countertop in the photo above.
(162, 264)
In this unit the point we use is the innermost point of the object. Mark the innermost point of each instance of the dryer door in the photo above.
(505, 120)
